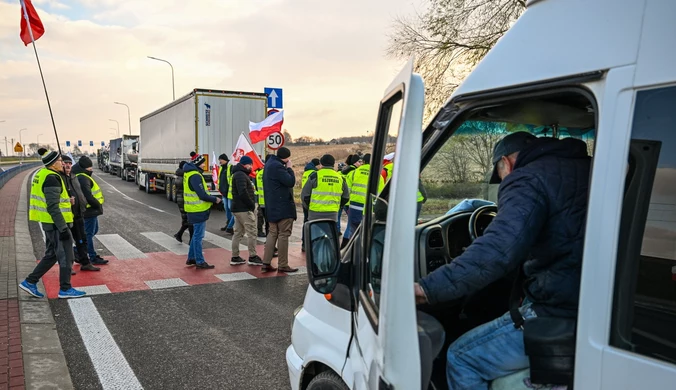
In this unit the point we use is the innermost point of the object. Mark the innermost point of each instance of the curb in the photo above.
(44, 361)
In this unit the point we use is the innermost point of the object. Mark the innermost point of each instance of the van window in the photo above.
(644, 308)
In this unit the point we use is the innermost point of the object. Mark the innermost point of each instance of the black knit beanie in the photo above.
(283, 153)
(85, 162)
(48, 157)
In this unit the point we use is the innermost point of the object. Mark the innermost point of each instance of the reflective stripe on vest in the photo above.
(192, 202)
(359, 184)
(325, 198)
(38, 201)
(306, 174)
(259, 186)
(228, 175)
(96, 190)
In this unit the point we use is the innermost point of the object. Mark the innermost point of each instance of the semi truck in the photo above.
(123, 156)
(206, 121)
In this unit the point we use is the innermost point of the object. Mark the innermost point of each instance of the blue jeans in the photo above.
(354, 217)
(229, 215)
(487, 352)
(195, 251)
(91, 228)
(340, 213)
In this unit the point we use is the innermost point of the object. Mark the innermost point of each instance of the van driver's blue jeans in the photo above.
(487, 352)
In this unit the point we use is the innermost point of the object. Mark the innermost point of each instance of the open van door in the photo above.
(385, 352)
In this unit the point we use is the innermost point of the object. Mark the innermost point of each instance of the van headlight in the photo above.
(295, 313)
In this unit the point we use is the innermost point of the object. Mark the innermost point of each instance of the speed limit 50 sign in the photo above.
(275, 140)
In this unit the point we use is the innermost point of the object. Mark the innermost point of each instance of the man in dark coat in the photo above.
(280, 208)
(243, 207)
(224, 177)
(79, 209)
(539, 228)
(185, 225)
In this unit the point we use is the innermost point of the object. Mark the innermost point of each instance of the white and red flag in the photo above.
(214, 169)
(244, 148)
(273, 123)
(36, 29)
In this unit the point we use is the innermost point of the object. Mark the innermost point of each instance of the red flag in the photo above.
(35, 23)
(259, 131)
(244, 148)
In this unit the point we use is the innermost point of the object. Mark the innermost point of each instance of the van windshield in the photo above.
(457, 177)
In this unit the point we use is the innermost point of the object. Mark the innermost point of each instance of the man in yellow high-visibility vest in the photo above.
(325, 192)
(224, 177)
(50, 204)
(95, 200)
(310, 168)
(358, 182)
(197, 204)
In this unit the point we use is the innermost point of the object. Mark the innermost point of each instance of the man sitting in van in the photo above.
(542, 204)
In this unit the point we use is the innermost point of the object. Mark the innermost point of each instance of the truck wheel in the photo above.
(327, 380)
(124, 175)
(173, 191)
(147, 184)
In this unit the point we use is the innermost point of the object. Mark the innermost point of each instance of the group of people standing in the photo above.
(66, 200)
(241, 189)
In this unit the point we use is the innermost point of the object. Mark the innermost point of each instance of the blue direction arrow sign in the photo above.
(79, 143)
(103, 143)
(68, 144)
(91, 143)
(274, 97)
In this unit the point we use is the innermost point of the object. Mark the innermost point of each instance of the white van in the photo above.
(603, 71)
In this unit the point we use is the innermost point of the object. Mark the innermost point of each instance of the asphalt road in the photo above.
(227, 335)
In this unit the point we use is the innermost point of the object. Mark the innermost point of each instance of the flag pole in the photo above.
(30, 31)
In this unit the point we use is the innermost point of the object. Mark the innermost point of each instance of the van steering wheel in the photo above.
(488, 210)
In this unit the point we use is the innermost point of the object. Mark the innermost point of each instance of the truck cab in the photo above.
(600, 71)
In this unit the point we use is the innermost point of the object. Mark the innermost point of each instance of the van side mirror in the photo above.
(322, 254)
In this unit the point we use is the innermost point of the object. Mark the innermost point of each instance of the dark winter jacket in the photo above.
(195, 183)
(179, 191)
(539, 226)
(80, 205)
(278, 181)
(348, 169)
(95, 208)
(243, 194)
(52, 188)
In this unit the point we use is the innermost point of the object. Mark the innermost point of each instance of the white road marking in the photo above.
(95, 290)
(235, 276)
(109, 363)
(119, 247)
(166, 283)
(126, 197)
(223, 242)
(168, 242)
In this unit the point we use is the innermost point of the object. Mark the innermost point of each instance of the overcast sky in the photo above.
(328, 56)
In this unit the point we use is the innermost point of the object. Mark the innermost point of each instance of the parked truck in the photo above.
(208, 122)
(123, 156)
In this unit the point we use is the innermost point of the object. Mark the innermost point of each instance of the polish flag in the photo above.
(214, 169)
(36, 29)
(273, 123)
(244, 148)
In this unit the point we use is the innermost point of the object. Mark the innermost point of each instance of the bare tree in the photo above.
(451, 163)
(287, 137)
(449, 39)
(478, 145)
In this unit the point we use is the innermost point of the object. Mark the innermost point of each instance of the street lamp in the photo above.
(118, 127)
(173, 91)
(24, 149)
(128, 114)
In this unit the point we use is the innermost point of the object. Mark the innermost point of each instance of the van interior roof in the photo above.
(570, 110)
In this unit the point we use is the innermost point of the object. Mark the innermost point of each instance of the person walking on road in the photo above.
(197, 205)
(260, 191)
(243, 207)
(325, 191)
(92, 192)
(185, 225)
(280, 209)
(79, 209)
(224, 187)
(310, 168)
(357, 182)
(50, 204)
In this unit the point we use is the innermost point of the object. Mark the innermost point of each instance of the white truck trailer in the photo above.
(123, 156)
(205, 121)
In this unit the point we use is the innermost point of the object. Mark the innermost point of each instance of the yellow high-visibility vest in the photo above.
(259, 186)
(38, 202)
(325, 198)
(306, 174)
(96, 190)
(192, 202)
(228, 175)
(358, 183)
(389, 168)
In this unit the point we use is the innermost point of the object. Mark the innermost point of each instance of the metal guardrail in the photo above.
(5, 176)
